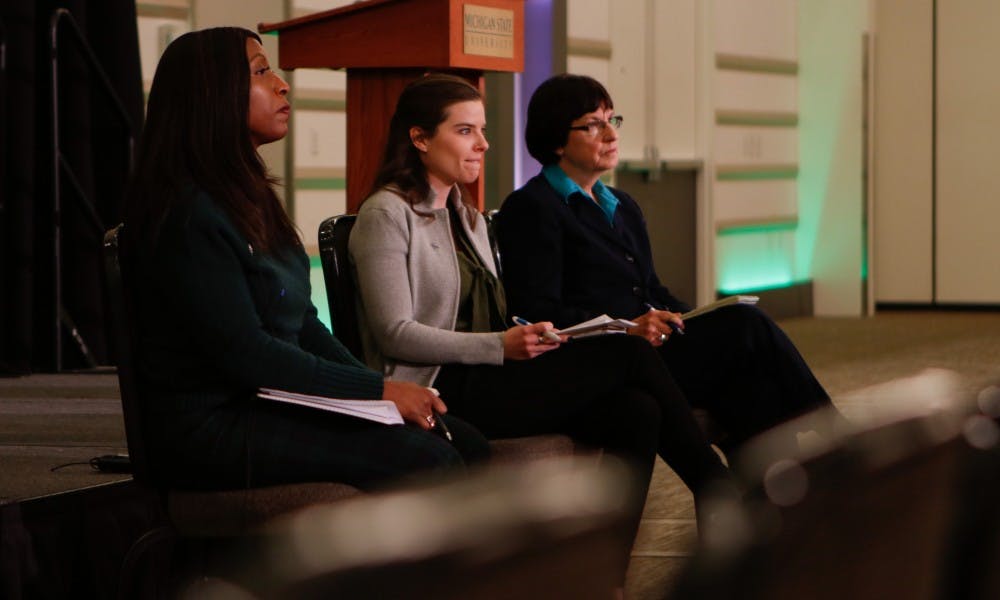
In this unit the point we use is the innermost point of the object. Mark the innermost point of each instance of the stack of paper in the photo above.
(597, 326)
(381, 411)
(730, 300)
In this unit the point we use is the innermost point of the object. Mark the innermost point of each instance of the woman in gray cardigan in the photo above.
(433, 311)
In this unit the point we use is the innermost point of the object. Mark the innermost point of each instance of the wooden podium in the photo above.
(386, 44)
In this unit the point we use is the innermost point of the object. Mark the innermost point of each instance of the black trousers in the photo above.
(740, 366)
(612, 392)
(259, 442)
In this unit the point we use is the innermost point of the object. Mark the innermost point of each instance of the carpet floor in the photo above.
(51, 420)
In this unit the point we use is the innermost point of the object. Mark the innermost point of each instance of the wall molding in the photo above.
(164, 9)
(756, 118)
(673, 164)
(320, 99)
(756, 172)
(756, 64)
(320, 178)
(763, 224)
(588, 47)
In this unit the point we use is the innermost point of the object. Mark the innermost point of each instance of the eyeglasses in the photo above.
(595, 128)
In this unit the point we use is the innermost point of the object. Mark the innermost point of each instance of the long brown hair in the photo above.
(424, 103)
(197, 132)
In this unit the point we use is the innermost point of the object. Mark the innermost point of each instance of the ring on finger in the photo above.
(663, 337)
(430, 420)
(541, 340)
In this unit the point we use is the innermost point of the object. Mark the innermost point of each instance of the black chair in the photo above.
(492, 217)
(334, 234)
(190, 514)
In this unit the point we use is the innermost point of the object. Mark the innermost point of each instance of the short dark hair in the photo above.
(424, 103)
(197, 132)
(556, 103)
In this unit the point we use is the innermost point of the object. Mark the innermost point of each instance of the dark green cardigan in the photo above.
(218, 319)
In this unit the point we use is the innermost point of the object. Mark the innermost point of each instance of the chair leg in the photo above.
(133, 559)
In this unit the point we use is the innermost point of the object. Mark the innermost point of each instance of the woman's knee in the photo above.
(471, 444)
(624, 353)
(431, 453)
(636, 412)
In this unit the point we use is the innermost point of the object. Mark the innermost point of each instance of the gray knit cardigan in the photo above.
(408, 282)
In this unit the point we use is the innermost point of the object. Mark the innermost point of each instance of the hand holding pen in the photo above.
(436, 422)
(651, 326)
(548, 334)
(528, 340)
(678, 329)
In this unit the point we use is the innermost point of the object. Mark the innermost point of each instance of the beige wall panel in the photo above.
(968, 127)
(756, 91)
(320, 139)
(154, 35)
(765, 28)
(311, 207)
(756, 146)
(829, 239)
(321, 79)
(755, 201)
(598, 68)
(588, 19)
(675, 110)
(627, 78)
(902, 253)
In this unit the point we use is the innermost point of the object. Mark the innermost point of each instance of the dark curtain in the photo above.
(94, 131)
(17, 160)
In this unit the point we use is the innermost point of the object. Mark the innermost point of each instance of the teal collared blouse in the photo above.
(566, 187)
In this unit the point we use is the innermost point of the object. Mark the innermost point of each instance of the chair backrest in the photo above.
(122, 328)
(334, 234)
(492, 222)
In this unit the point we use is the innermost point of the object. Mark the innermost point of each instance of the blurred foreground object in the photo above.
(548, 529)
(901, 503)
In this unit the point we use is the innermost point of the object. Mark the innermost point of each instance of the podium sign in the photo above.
(488, 31)
(386, 44)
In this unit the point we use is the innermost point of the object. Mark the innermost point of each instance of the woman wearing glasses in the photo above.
(574, 248)
(434, 312)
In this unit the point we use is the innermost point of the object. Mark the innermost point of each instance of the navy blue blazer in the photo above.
(563, 262)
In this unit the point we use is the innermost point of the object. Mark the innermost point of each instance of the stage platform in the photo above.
(64, 526)
(52, 420)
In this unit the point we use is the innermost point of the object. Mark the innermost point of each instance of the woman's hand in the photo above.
(416, 403)
(528, 341)
(654, 326)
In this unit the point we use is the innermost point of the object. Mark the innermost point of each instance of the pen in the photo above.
(677, 328)
(442, 426)
(438, 421)
(549, 335)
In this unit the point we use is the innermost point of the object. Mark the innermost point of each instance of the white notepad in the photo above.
(381, 411)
